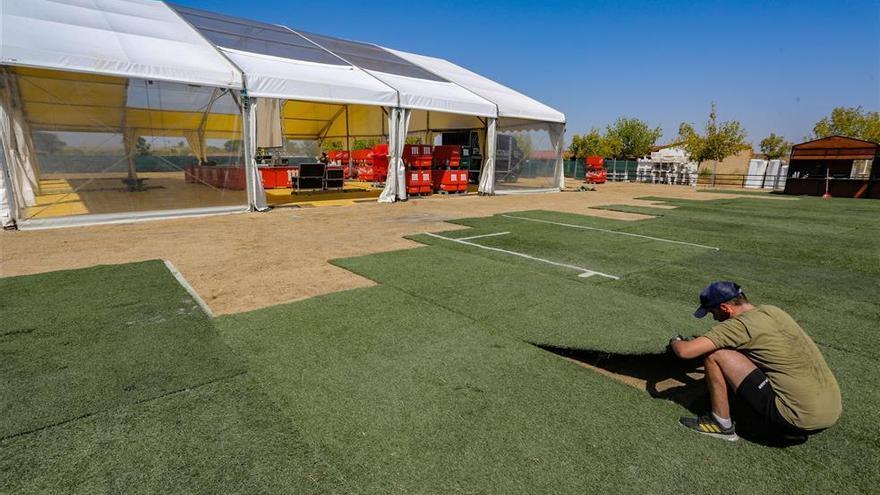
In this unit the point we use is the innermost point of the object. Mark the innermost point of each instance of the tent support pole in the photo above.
(428, 127)
(348, 141)
(127, 141)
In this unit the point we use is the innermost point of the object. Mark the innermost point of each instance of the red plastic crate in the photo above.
(365, 173)
(338, 156)
(463, 181)
(380, 149)
(418, 155)
(450, 181)
(235, 179)
(447, 156)
(595, 161)
(418, 181)
(362, 155)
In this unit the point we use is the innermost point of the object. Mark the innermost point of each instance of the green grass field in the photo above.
(433, 381)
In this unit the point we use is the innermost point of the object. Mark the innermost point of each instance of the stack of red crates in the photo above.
(219, 177)
(372, 164)
(340, 157)
(380, 162)
(418, 159)
(363, 163)
(446, 175)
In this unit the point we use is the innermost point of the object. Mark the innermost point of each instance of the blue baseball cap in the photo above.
(715, 294)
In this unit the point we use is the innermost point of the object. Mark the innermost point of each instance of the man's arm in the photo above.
(690, 349)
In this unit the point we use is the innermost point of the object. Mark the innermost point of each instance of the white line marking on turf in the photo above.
(614, 232)
(195, 295)
(481, 236)
(585, 272)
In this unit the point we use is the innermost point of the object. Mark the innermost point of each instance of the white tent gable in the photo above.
(510, 103)
(129, 38)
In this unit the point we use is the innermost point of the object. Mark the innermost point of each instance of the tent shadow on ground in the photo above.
(663, 377)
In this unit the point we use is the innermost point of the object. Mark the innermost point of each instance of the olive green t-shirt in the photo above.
(807, 393)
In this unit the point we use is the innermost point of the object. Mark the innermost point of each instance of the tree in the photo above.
(414, 140)
(718, 141)
(48, 142)
(331, 145)
(142, 147)
(851, 122)
(594, 144)
(524, 143)
(630, 138)
(775, 147)
(364, 144)
(232, 145)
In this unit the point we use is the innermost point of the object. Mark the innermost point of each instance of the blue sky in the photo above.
(774, 66)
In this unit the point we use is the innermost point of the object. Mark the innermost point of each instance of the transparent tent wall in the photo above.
(107, 145)
(525, 158)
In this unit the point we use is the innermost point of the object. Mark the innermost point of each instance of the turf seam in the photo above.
(610, 231)
(128, 404)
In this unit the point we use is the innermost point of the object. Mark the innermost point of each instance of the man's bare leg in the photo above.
(725, 367)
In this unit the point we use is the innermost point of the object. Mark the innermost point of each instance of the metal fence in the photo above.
(618, 170)
(742, 181)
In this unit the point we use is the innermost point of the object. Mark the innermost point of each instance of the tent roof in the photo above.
(128, 38)
(284, 63)
(147, 39)
(279, 63)
(510, 103)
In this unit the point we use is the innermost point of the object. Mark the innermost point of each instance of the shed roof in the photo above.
(835, 148)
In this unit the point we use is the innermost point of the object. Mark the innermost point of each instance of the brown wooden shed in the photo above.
(848, 165)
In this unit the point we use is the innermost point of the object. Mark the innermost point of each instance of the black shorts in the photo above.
(759, 399)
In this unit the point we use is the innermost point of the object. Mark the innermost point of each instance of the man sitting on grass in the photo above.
(785, 388)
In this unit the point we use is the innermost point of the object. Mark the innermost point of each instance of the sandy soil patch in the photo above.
(250, 261)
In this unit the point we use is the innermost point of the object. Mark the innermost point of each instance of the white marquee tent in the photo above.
(124, 69)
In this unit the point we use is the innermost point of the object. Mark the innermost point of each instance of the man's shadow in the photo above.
(666, 377)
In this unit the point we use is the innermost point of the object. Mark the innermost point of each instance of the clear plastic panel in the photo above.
(108, 145)
(255, 37)
(525, 159)
(371, 57)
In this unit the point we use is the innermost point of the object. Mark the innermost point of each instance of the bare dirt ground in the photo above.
(250, 261)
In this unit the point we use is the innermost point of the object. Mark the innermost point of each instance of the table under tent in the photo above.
(132, 127)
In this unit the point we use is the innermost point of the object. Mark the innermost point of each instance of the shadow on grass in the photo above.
(667, 378)
(662, 376)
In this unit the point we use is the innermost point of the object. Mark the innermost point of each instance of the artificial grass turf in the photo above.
(113, 380)
(81, 341)
(222, 437)
(404, 396)
(425, 383)
(528, 301)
